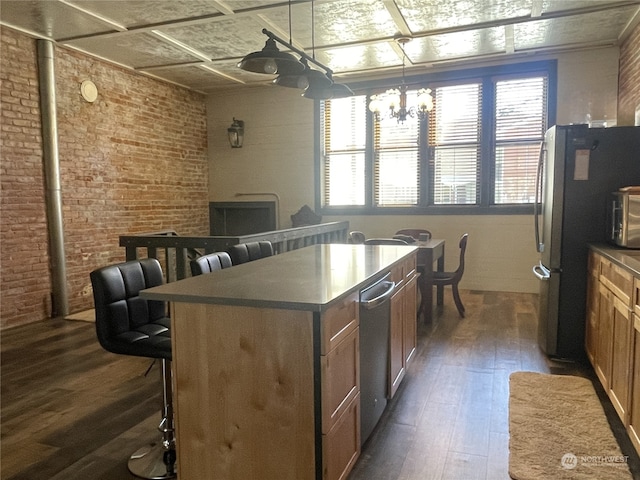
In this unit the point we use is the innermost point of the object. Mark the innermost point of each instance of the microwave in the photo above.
(625, 219)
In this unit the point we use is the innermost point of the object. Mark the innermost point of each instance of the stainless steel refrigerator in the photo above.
(579, 168)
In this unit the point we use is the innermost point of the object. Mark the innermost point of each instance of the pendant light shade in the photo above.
(337, 90)
(270, 60)
(299, 81)
(319, 86)
(340, 90)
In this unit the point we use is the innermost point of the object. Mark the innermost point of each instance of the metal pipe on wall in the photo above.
(53, 193)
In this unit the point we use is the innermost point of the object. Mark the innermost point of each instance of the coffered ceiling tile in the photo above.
(50, 19)
(362, 57)
(223, 38)
(135, 13)
(135, 50)
(195, 76)
(456, 45)
(423, 16)
(574, 30)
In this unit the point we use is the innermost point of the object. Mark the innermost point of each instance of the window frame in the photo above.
(487, 76)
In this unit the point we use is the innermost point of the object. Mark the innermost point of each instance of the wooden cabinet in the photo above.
(403, 334)
(265, 379)
(611, 336)
(340, 380)
(633, 427)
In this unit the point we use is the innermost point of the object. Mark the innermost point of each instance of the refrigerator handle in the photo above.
(541, 272)
(538, 199)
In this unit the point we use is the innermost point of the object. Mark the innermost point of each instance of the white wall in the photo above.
(277, 157)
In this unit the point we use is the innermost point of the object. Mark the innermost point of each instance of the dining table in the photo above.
(429, 252)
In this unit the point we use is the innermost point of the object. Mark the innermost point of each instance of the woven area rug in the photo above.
(558, 430)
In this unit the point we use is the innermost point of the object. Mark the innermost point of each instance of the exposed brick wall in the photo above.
(24, 261)
(629, 86)
(133, 161)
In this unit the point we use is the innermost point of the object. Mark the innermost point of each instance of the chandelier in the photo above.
(394, 100)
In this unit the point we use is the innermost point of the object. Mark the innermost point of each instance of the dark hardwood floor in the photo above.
(72, 411)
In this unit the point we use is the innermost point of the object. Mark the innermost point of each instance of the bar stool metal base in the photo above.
(149, 462)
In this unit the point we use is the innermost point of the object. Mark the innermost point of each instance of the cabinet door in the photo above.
(396, 339)
(634, 404)
(605, 336)
(622, 330)
(340, 378)
(341, 445)
(410, 319)
(593, 307)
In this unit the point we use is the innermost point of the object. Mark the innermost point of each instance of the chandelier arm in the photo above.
(299, 52)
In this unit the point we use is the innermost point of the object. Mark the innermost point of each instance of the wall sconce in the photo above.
(236, 133)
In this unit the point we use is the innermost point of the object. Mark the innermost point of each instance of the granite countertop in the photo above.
(625, 257)
(309, 278)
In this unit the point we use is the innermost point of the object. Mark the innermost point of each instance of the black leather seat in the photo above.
(384, 241)
(248, 252)
(210, 263)
(130, 325)
(413, 232)
(356, 237)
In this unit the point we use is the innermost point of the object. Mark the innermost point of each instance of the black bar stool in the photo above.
(130, 325)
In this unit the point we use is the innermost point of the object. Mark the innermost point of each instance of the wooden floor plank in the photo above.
(71, 411)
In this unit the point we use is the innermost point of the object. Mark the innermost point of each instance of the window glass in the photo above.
(454, 136)
(478, 146)
(520, 123)
(345, 136)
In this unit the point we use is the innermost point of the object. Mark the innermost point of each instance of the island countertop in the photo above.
(309, 278)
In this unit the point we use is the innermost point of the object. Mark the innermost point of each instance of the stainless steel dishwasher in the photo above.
(374, 352)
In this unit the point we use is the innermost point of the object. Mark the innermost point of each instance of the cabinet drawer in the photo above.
(340, 378)
(338, 321)
(404, 271)
(618, 280)
(410, 267)
(341, 446)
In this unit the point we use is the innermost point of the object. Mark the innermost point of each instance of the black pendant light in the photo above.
(294, 73)
(270, 60)
(296, 80)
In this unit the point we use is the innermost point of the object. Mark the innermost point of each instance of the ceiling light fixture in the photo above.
(270, 60)
(394, 100)
(316, 85)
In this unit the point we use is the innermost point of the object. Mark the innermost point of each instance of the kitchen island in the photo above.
(266, 361)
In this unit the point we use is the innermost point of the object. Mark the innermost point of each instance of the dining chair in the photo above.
(384, 241)
(453, 278)
(413, 232)
(356, 237)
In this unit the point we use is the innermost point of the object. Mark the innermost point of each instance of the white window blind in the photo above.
(520, 123)
(396, 160)
(454, 138)
(344, 122)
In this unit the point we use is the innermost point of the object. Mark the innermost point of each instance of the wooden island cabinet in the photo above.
(266, 361)
(612, 339)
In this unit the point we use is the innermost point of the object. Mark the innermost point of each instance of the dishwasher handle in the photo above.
(383, 290)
